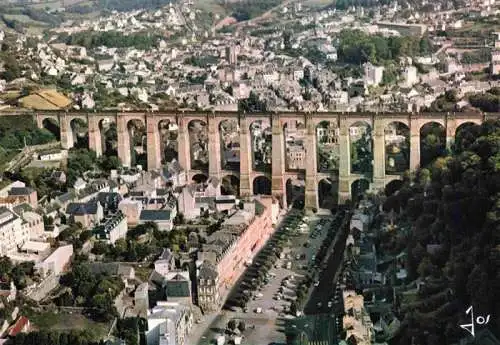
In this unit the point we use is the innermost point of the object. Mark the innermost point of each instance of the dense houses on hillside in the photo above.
(232, 67)
(108, 212)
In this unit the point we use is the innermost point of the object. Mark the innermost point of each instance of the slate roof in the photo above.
(204, 200)
(157, 200)
(142, 199)
(109, 199)
(66, 197)
(162, 192)
(152, 215)
(225, 201)
(4, 212)
(166, 254)
(178, 287)
(21, 208)
(79, 209)
(111, 268)
(21, 191)
(207, 271)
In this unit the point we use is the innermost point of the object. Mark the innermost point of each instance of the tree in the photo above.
(5, 267)
(100, 248)
(425, 267)
(241, 326)
(293, 308)
(128, 330)
(108, 163)
(85, 236)
(454, 204)
(231, 325)
(287, 39)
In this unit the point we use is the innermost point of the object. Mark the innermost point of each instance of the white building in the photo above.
(34, 223)
(105, 65)
(373, 74)
(56, 261)
(410, 76)
(169, 323)
(12, 232)
(112, 228)
(54, 155)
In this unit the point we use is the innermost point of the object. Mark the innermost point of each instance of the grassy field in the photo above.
(68, 322)
(52, 5)
(9, 95)
(24, 19)
(317, 3)
(210, 6)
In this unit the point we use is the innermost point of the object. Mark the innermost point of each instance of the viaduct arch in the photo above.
(271, 129)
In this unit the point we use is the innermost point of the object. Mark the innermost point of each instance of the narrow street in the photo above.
(325, 291)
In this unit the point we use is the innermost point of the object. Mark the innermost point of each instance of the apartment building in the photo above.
(169, 323)
(112, 228)
(12, 232)
(222, 258)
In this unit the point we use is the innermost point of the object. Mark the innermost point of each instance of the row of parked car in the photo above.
(257, 274)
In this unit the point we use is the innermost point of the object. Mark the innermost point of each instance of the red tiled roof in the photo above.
(18, 326)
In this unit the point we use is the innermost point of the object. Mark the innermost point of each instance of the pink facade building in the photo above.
(241, 237)
(56, 262)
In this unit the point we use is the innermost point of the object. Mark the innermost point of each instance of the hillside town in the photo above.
(141, 60)
(96, 252)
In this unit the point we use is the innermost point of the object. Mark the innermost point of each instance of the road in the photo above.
(325, 291)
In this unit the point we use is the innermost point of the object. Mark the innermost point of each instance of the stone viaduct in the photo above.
(378, 122)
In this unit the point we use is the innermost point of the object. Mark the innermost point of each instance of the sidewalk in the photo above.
(199, 329)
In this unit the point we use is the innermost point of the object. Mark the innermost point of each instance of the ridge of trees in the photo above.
(116, 39)
(248, 9)
(357, 47)
(14, 130)
(452, 203)
(117, 5)
(488, 101)
(46, 337)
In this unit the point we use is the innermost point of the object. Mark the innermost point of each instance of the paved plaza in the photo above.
(267, 327)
